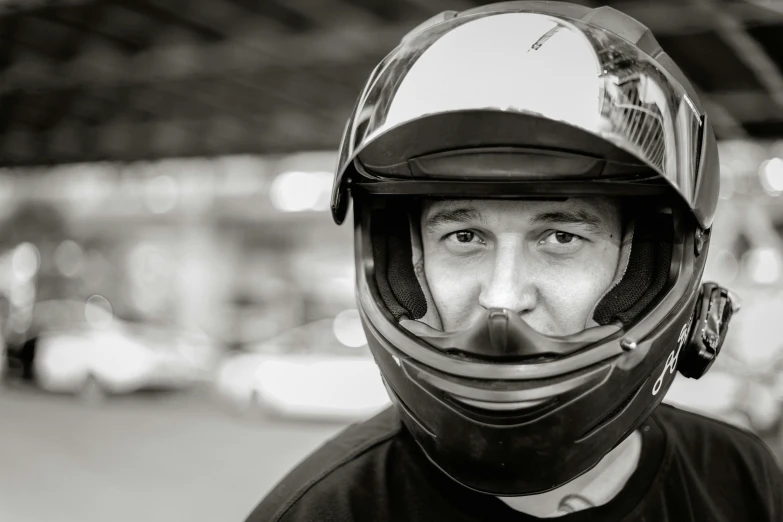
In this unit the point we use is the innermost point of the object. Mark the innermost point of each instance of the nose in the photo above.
(511, 282)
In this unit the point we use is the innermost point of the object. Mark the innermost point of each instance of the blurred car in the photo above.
(304, 373)
(120, 358)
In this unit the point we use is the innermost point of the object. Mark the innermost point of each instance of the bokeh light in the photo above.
(347, 328)
(25, 261)
(725, 267)
(771, 176)
(22, 294)
(295, 191)
(69, 258)
(161, 194)
(98, 311)
(757, 328)
(764, 265)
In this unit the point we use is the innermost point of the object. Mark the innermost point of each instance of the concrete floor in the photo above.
(161, 458)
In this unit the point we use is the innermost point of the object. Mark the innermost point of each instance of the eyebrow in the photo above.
(462, 215)
(571, 217)
(451, 216)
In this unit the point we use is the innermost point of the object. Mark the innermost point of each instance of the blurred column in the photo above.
(204, 261)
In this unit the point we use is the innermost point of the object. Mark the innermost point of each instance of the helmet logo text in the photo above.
(671, 361)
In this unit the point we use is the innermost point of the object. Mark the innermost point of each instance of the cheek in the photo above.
(570, 293)
(454, 288)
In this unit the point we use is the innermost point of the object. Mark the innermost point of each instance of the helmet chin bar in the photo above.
(500, 334)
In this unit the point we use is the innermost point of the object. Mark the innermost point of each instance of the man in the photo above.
(534, 186)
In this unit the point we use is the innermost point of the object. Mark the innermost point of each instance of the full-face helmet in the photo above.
(532, 100)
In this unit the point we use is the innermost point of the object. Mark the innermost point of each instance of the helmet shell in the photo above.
(513, 100)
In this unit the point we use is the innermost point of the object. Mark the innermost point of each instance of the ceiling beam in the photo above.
(177, 15)
(434, 7)
(285, 131)
(103, 66)
(747, 106)
(76, 19)
(332, 13)
(256, 47)
(732, 31)
(669, 18)
(663, 17)
(13, 6)
(724, 123)
(771, 7)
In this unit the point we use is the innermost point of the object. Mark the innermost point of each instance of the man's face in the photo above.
(549, 261)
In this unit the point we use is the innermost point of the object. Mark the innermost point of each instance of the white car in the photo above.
(119, 358)
(305, 373)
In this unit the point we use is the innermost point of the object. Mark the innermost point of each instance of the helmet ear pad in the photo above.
(393, 260)
(645, 278)
(647, 273)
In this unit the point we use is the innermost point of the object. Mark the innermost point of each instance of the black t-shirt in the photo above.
(692, 468)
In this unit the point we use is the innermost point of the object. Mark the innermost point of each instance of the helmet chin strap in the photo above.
(432, 317)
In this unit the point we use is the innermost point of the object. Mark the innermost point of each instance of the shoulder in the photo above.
(317, 486)
(692, 430)
(725, 457)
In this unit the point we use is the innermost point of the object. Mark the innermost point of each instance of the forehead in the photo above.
(603, 208)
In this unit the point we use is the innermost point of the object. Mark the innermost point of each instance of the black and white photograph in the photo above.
(391, 261)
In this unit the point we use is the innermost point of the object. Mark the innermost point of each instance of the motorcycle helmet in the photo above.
(532, 100)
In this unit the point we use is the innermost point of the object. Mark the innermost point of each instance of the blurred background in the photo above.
(176, 306)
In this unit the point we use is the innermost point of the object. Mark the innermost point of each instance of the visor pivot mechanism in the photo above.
(710, 325)
(701, 238)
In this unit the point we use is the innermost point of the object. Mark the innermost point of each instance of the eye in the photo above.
(560, 238)
(564, 237)
(462, 240)
(464, 236)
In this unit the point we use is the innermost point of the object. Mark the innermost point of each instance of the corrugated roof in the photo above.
(87, 80)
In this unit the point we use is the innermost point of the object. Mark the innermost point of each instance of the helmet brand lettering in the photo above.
(671, 361)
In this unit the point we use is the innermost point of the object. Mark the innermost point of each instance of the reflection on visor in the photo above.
(564, 70)
(451, 75)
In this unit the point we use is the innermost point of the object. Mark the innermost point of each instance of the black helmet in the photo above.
(533, 100)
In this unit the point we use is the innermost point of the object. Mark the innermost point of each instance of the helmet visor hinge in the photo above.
(701, 238)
